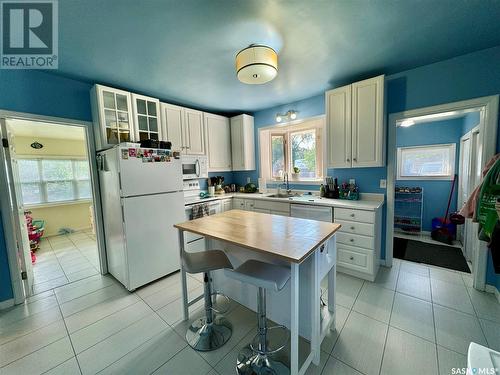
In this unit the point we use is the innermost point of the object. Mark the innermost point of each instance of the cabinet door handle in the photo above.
(348, 159)
(352, 215)
(352, 228)
(354, 159)
(351, 258)
(352, 240)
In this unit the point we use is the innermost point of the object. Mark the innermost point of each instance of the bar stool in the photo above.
(208, 333)
(255, 357)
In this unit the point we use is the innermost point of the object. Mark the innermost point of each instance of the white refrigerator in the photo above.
(142, 198)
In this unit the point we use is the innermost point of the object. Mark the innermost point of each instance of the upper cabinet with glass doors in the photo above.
(112, 115)
(146, 118)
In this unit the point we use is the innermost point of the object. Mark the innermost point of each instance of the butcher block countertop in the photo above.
(289, 238)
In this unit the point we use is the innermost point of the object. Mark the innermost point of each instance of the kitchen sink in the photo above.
(282, 195)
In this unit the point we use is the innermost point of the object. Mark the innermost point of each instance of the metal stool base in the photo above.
(251, 363)
(204, 337)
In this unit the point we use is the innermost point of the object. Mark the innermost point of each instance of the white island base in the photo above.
(297, 306)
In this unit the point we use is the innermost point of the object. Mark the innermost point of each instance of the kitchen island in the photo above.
(308, 247)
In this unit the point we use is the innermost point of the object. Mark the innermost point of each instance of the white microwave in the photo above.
(194, 167)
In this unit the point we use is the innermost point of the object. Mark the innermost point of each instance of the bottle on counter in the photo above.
(322, 190)
(336, 190)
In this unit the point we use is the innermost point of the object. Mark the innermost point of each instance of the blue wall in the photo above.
(464, 77)
(436, 192)
(460, 78)
(471, 120)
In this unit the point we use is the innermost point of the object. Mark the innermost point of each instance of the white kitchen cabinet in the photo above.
(112, 116)
(238, 204)
(359, 241)
(146, 117)
(355, 125)
(218, 142)
(227, 204)
(184, 128)
(338, 119)
(243, 143)
(194, 132)
(249, 204)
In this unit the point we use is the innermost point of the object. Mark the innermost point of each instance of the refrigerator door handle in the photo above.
(197, 167)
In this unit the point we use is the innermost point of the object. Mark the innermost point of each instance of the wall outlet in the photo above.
(383, 183)
(248, 180)
(352, 181)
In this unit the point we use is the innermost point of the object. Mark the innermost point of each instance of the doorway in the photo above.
(425, 168)
(435, 174)
(52, 200)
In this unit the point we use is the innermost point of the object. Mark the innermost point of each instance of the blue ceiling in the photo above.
(183, 51)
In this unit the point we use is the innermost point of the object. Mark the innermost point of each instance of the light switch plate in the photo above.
(383, 183)
(352, 181)
(248, 180)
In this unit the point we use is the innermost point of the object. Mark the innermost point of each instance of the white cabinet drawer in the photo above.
(356, 240)
(273, 206)
(354, 258)
(249, 204)
(354, 215)
(356, 228)
(238, 204)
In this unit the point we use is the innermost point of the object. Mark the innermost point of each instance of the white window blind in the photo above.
(54, 180)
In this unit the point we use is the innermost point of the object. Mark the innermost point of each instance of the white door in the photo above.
(218, 142)
(152, 240)
(17, 212)
(338, 123)
(172, 125)
(311, 212)
(194, 132)
(139, 178)
(463, 180)
(368, 123)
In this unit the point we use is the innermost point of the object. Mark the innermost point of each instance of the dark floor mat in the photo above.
(436, 255)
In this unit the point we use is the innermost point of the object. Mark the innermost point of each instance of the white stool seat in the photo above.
(205, 261)
(261, 274)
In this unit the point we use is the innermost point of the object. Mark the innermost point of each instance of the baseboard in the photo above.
(6, 304)
(492, 289)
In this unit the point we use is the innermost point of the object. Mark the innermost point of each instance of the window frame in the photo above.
(286, 130)
(42, 183)
(452, 162)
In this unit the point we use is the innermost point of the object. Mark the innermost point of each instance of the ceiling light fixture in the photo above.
(256, 64)
(290, 115)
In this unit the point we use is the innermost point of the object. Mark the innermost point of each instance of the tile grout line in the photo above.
(389, 324)
(434, 325)
(69, 336)
(477, 317)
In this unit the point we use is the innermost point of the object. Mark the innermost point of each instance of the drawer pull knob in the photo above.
(352, 215)
(351, 258)
(322, 248)
(352, 239)
(352, 228)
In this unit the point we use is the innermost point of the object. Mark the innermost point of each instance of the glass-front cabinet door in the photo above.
(147, 117)
(115, 120)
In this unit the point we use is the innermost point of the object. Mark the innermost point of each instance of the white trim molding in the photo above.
(493, 289)
(489, 112)
(15, 274)
(6, 304)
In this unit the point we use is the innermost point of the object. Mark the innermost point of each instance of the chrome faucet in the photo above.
(286, 184)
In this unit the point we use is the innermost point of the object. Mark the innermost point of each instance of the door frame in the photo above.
(488, 134)
(10, 237)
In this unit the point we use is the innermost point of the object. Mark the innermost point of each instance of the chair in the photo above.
(207, 333)
(258, 356)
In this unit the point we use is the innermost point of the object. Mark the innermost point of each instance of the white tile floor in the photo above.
(64, 259)
(411, 320)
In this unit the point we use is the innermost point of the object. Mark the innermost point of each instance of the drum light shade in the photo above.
(256, 64)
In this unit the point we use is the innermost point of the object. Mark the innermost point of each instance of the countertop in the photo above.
(362, 204)
(288, 238)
